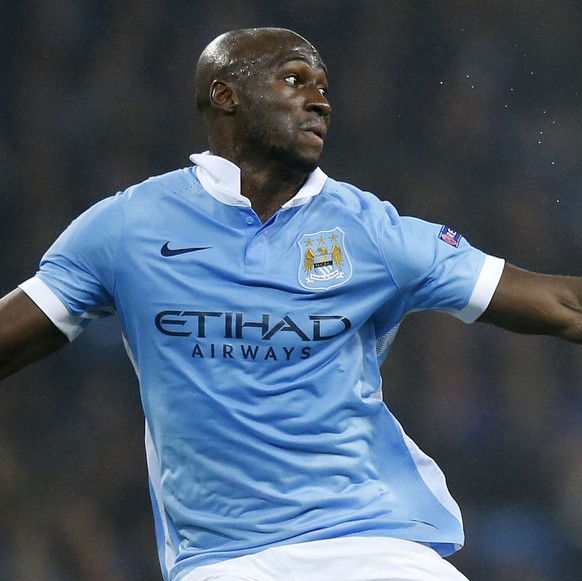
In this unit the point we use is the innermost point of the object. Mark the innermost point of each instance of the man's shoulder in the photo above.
(351, 197)
(144, 200)
(179, 181)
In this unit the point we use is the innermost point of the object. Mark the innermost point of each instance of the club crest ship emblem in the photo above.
(324, 261)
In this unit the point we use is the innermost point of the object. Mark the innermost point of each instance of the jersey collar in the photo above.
(221, 179)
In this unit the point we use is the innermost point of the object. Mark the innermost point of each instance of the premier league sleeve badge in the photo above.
(450, 236)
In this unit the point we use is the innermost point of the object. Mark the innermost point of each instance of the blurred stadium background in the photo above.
(466, 113)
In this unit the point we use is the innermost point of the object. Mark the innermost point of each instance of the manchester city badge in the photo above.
(324, 261)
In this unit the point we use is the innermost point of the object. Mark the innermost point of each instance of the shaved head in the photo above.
(262, 93)
(234, 56)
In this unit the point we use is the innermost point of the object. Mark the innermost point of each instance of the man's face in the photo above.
(283, 103)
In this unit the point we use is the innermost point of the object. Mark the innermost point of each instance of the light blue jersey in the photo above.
(258, 351)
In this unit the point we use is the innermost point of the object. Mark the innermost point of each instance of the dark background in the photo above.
(466, 113)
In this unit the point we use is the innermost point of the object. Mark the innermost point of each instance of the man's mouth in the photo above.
(317, 130)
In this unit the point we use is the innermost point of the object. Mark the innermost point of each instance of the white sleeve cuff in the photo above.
(483, 291)
(48, 302)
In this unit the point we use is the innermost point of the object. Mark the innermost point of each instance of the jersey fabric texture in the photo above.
(256, 351)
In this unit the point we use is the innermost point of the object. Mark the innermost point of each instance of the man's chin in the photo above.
(295, 160)
(307, 163)
(309, 166)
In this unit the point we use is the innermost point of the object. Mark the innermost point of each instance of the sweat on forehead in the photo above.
(233, 52)
(236, 53)
(254, 43)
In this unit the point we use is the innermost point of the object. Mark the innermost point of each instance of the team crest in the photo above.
(324, 260)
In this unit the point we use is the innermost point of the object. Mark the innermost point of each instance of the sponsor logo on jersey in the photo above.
(230, 325)
(325, 263)
(449, 236)
(167, 251)
(232, 335)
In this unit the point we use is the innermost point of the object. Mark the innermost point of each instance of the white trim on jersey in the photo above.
(431, 475)
(155, 476)
(221, 179)
(48, 302)
(483, 292)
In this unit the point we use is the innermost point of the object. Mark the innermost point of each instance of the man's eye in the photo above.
(291, 79)
(323, 90)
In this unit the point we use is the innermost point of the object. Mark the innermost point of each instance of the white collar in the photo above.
(221, 179)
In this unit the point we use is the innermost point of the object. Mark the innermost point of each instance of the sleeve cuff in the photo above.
(484, 288)
(48, 302)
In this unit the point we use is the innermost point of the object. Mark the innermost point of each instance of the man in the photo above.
(258, 298)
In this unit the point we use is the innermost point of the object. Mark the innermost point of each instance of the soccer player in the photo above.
(257, 298)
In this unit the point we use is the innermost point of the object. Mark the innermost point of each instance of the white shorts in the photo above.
(345, 559)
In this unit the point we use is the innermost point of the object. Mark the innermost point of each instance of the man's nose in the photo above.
(317, 101)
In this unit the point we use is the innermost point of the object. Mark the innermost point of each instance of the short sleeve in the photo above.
(76, 278)
(436, 268)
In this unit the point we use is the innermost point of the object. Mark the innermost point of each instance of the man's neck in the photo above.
(268, 188)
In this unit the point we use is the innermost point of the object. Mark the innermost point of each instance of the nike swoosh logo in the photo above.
(166, 251)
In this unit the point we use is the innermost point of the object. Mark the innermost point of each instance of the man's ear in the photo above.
(223, 96)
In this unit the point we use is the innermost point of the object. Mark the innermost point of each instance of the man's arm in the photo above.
(527, 302)
(26, 333)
